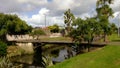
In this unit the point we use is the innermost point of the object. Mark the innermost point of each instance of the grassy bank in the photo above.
(108, 57)
(114, 37)
(16, 51)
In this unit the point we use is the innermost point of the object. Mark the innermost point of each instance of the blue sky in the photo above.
(34, 11)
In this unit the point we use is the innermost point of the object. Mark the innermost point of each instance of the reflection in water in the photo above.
(63, 54)
(41, 59)
(30, 61)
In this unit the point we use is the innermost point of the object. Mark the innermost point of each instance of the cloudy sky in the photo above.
(34, 12)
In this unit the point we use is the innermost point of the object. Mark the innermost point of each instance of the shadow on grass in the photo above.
(115, 40)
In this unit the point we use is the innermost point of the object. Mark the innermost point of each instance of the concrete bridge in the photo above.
(30, 39)
(94, 44)
(30, 42)
(35, 46)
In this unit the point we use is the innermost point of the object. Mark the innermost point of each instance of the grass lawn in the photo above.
(108, 57)
(56, 39)
(114, 37)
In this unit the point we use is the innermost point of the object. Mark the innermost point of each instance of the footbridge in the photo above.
(94, 44)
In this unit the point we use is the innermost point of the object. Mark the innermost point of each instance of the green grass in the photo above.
(108, 57)
(56, 39)
(113, 37)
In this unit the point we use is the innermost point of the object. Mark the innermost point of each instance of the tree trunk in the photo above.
(89, 43)
(105, 37)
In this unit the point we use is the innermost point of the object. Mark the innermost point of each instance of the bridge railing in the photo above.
(19, 37)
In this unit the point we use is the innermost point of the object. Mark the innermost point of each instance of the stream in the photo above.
(42, 58)
(47, 57)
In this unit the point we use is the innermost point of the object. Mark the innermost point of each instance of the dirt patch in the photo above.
(117, 62)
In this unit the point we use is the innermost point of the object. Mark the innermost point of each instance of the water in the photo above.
(50, 56)
(43, 58)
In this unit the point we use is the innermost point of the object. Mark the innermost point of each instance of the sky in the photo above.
(35, 12)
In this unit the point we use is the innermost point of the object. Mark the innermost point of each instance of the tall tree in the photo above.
(104, 11)
(12, 24)
(68, 20)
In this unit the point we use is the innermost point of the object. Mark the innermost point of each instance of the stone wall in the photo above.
(28, 47)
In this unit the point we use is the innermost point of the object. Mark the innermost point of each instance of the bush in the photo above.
(38, 32)
(54, 28)
(3, 49)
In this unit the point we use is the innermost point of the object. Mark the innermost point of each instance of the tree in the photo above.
(54, 28)
(85, 30)
(77, 32)
(103, 13)
(38, 32)
(12, 24)
(114, 28)
(68, 20)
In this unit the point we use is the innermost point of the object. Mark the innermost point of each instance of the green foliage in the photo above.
(38, 32)
(114, 28)
(54, 28)
(12, 24)
(3, 49)
(85, 30)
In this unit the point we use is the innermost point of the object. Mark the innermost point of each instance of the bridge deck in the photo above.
(57, 42)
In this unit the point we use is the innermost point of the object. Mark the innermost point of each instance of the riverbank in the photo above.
(16, 51)
(108, 57)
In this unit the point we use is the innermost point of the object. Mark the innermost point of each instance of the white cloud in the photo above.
(63, 5)
(33, 11)
(38, 20)
(116, 5)
(116, 18)
(32, 2)
(44, 11)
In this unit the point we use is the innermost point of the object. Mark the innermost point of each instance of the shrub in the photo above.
(3, 49)
(38, 32)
